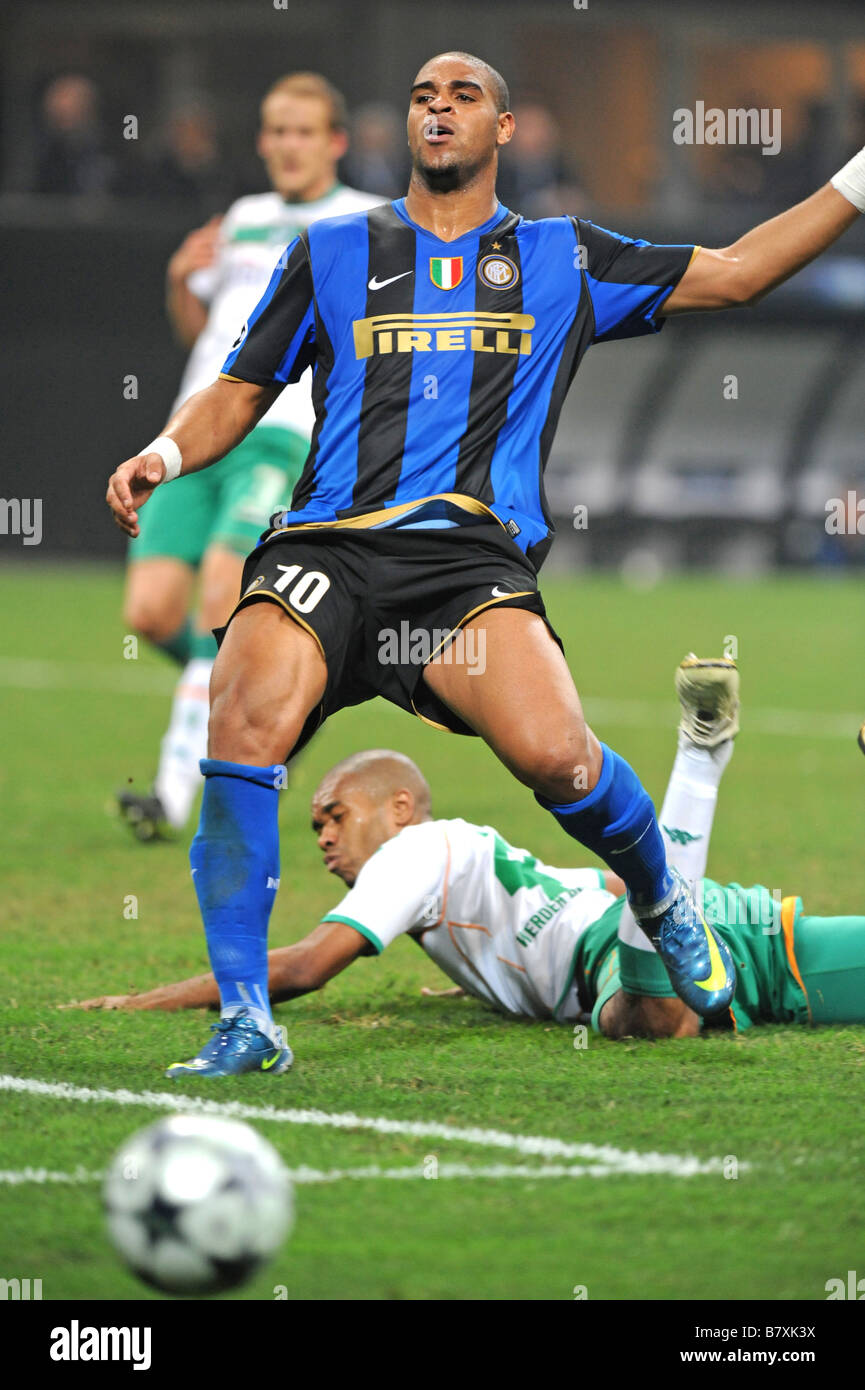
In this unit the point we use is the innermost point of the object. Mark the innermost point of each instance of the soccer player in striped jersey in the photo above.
(208, 524)
(535, 941)
(444, 330)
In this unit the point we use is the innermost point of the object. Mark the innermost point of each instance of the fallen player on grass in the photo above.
(551, 943)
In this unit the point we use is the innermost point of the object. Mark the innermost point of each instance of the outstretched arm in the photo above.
(292, 971)
(207, 426)
(768, 255)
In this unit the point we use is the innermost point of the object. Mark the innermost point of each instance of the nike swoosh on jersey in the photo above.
(717, 976)
(501, 593)
(376, 284)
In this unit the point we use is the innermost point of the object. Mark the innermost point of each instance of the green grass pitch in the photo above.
(80, 720)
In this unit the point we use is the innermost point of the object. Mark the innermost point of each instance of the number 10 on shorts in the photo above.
(309, 589)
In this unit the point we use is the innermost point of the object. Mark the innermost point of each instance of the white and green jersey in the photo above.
(495, 919)
(253, 234)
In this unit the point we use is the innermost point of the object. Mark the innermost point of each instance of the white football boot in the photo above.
(708, 691)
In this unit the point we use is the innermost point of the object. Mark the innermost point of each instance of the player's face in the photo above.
(298, 146)
(350, 825)
(453, 125)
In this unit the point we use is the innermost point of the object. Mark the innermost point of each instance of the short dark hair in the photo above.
(498, 84)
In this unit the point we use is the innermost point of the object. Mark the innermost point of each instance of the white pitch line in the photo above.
(130, 678)
(786, 723)
(623, 1161)
(17, 1177)
(490, 1171)
(121, 678)
(371, 1173)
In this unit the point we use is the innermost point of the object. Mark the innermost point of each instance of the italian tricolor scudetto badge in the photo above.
(446, 271)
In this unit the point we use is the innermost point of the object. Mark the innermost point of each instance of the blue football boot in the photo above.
(237, 1046)
(698, 962)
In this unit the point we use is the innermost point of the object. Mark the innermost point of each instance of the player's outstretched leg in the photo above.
(524, 704)
(268, 678)
(709, 696)
(158, 592)
(620, 826)
(178, 779)
(235, 864)
(162, 813)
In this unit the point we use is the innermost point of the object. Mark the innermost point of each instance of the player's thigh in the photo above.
(519, 695)
(157, 597)
(269, 676)
(221, 573)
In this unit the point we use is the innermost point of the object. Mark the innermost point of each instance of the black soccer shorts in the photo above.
(381, 604)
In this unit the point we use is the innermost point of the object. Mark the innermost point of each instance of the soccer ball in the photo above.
(196, 1204)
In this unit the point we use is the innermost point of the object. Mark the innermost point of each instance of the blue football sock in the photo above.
(617, 821)
(235, 866)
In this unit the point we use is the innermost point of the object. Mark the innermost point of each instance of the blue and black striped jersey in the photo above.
(440, 368)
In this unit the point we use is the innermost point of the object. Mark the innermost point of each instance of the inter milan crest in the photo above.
(446, 272)
(499, 272)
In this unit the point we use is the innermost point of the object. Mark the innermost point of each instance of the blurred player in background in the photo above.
(208, 524)
(534, 941)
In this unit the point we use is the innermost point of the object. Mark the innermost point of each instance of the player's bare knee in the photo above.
(563, 771)
(247, 728)
(255, 721)
(156, 598)
(154, 622)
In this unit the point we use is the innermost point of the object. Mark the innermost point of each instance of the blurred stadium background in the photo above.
(648, 441)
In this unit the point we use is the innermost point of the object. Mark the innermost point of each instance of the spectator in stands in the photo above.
(378, 157)
(742, 173)
(189, 168)
(70, 144)
(737, 173)
(534, 177)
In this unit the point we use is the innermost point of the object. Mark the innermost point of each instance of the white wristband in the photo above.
(850, 181)
(168, 451)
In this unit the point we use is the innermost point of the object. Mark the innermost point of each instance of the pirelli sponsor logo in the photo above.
(469, 331)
